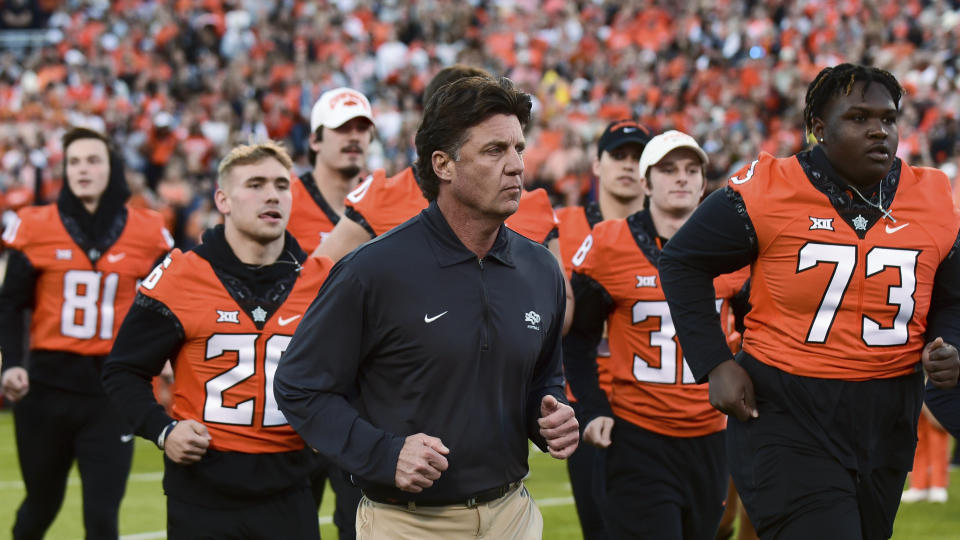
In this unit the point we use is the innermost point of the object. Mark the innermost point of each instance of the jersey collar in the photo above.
(448, 248)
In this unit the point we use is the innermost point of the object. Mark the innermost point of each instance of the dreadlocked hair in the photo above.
(839, 80)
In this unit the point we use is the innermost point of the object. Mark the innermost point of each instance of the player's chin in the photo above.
(269, 232)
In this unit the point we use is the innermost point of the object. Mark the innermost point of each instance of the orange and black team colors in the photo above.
(80, 302)
(380, 203)
(311, 217)
(574, 224)
(75, 265)
(860, 291)
(650, 385)
(660, 417)
(225, 365)
(225, 326)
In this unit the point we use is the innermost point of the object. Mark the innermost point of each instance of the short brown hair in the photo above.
(74, 134)
(455, 108)
(248, 154)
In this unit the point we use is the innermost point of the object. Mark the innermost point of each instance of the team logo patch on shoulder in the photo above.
(228, 316)
(647, 281)
(64, 254)
(821, 224)
(532, 318)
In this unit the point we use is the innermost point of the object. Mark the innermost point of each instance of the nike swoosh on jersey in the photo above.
(891, 230)
(428, 319)
(127, 437)
(283, 322)
(114, 257)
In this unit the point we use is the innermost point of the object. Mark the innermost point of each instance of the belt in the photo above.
(485, 496)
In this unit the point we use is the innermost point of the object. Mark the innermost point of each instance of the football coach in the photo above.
(432, 353)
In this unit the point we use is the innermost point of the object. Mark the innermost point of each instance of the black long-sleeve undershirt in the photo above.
(128, 375)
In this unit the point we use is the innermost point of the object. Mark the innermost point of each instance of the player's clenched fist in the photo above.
(559, 427)
(187, 442)
(731, 391)
(598, 431)
(941, 363)
(15, 384)
(420, 463)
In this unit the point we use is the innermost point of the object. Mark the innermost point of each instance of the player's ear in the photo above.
(221, 200)
(443, 164)
(313, 142)
(595, 164)
(816, 128)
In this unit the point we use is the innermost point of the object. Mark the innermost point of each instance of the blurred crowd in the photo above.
(176, 83)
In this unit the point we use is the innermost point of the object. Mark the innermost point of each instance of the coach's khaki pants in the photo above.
(513, 516)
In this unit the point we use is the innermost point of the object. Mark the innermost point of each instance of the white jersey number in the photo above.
(85, 302)
(663, 338)
(844, 259)
(245, 345)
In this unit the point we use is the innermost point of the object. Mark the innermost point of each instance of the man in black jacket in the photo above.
(223, 314)
(425, 380)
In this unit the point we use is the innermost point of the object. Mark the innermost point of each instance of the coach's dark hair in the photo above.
(839, 80)
(455, 108)
(449, 74)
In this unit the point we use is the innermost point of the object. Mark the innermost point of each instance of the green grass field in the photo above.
(143, 513)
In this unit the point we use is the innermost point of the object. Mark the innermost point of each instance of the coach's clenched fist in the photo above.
(559, 427)
(420, 463)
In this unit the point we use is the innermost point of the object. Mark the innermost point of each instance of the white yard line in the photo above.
(74, 480)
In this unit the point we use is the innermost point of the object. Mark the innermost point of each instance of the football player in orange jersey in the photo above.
(341, 124)
(76, 264)
(223, 313)
(341, 129)
(619, 194)
(854, 293)
(666, 474)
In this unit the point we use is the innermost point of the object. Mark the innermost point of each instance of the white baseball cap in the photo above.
(663, 144)
(337, 107)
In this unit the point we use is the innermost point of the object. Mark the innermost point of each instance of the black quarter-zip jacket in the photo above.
(413, 333)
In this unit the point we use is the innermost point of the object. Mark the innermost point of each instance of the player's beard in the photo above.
(349, 172)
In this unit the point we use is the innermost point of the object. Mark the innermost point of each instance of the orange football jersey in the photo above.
(224, 369)
(387, 202)
(573, 226)
(78, 304)
(827, 303)
(651, 386)
(311, 218)
(534, 218)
